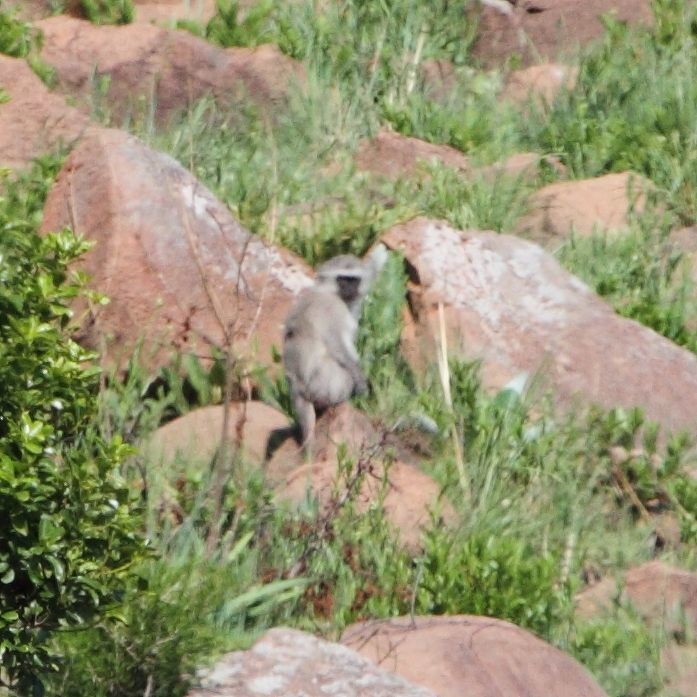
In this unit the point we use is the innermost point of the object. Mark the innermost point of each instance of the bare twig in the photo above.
(628, 489)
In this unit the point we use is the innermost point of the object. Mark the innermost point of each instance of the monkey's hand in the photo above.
(360, 384)
(378, 256)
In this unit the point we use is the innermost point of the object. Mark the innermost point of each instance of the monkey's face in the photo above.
(349, 287)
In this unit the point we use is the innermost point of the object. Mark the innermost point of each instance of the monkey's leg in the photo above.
(305, 412)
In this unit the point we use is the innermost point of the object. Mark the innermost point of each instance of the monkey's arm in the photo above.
(343, 351)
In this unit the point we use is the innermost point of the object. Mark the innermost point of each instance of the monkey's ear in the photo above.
(378, 256)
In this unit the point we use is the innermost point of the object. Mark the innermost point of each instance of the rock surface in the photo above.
(179, 270)
(541, 83)
(584, 206)
(33, 121)
(679, 663)
(476, 656)
(289, 663)
(169, 12)
(151, 68)
(195, 437)
(340, 426)
(392, 155)
(547, 29)
(662, 594)
(408, 495)
(684, 241)
(510, 304)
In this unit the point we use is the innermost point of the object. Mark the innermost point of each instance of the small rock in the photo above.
(407, 494)
(662, 594)
(169, 12)
(393, 155)
(679, 663)
(541, 83)
(196, 437)
(523, 164)
(584, 207)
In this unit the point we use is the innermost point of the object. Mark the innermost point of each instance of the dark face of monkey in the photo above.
(349, 287)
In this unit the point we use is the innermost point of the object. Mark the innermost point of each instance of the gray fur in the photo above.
(319, 352)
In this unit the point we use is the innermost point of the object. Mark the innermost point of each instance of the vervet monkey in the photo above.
(319, 352)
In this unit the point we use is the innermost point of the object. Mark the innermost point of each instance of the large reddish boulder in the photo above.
(32, 119)
(510, 304)
(288, 662)
(538, 30)
(180, 272)
(151, 68)
(469, 655)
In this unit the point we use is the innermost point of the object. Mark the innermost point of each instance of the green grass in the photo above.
(543, 510)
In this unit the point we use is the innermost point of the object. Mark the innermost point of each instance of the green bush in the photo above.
(21, 40)
(68, 531)
(108, 11)
(495, 577)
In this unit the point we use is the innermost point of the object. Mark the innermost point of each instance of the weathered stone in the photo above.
(151, 68)
(169, 12)
(679, 664)
(538, 30)
(393, 155)
(466, 654)
(408, 495)
(295, 664)
(339, 426)
(196, 437)
(181, 273)
(510, 304)
(584, 207)
(684, 241)
(541, 83)
(662, 594)
(33, 121)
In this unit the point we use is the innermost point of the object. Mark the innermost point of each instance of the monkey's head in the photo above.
(345, 275)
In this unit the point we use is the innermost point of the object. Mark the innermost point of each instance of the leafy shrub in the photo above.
(496, 577)
(68, 530)
(17, 38)
(21, 40)
(622, 653)
(108, 11)
(227, 28)
(641, 276)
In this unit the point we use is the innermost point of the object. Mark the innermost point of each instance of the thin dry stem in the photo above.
(416, 59)
(444, 374)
